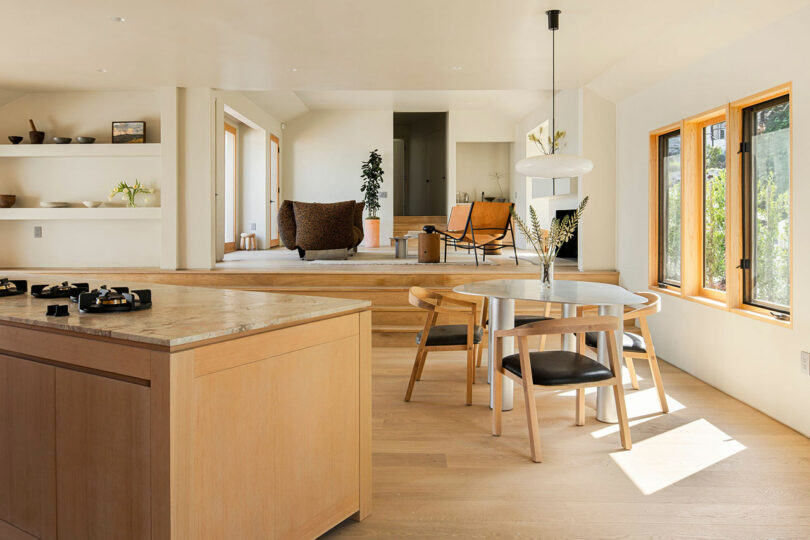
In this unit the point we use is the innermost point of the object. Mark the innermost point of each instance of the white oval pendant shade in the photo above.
(554, 166)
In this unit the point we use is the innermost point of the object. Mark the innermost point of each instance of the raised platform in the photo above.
(394, 321)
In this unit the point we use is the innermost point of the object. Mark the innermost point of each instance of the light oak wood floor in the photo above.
(712, 468)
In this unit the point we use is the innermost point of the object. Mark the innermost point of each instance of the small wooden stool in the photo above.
(250, 243)
(429, 248)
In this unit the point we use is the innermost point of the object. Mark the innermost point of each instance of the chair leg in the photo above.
(497, 388)
(580, 407)
(514, 248)
(475, 355)
(480, 353)
(621, 410)
(418, 362)
(421, 366)
(531, 418)
(632, 370)
(470, 373)
(659, 382)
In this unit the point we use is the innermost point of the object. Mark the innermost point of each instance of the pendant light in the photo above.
(554, 165)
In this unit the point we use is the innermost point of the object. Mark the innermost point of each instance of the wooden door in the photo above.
(103, 471)
(27, 450)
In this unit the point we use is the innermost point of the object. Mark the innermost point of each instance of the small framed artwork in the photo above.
(128, 132)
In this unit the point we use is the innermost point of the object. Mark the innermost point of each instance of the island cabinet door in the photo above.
(277, 441)
(102, 466)
(27, 452)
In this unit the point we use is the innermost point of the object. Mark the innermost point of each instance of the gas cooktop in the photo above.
(114, 300)
(13, 287)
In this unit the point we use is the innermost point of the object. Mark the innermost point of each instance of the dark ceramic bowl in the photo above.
(85, 140)
(62, 140)
(7, 201)
(15, 139)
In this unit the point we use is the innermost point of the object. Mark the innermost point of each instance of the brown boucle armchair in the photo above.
(320, 226)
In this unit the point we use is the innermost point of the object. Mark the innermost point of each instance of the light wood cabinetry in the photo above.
(265, 435)
(27, 447)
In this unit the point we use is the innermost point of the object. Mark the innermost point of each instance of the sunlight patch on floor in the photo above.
(663, 460)
(642, 406)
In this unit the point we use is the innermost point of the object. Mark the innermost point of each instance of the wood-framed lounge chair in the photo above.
(486, 222)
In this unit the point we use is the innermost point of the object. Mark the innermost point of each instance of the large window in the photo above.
(714, 206)
(766, 204)
(669, 208)
(720, 207)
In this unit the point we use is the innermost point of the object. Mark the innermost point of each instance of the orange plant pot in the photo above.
(371, 233)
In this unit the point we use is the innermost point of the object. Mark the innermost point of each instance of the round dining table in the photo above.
(502, 293)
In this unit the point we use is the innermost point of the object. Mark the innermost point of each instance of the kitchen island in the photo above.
(213, 414)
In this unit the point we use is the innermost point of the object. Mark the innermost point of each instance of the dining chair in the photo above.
(445, 337)
(520, 320)
(558, 370)
(486, 222)
(636, 345)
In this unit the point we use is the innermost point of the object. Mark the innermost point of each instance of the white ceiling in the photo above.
(313, 51)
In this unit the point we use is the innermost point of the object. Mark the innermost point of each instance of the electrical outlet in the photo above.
(383, 194)
(805, 363)
(37, 231)
(252, 226)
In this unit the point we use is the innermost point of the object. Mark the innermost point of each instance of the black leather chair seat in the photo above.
(520, 320)
(449, 334)
(555, 368)
(630, 342)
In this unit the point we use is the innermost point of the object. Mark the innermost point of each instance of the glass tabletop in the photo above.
(561, 292)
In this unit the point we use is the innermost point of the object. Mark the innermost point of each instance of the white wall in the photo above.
(323, 151)
(253, 184)
(753, 361)
(72, 243)
(464, 126)
(475, 165)
(597, 232)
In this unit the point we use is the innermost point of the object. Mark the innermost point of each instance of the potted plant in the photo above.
(547, 242)
(372, 178)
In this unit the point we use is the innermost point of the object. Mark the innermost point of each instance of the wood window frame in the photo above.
(654, 210)
(692, 209)
(232, 246)
(735, 201)
(694, 202)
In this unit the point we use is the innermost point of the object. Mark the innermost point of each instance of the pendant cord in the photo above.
(553, 95)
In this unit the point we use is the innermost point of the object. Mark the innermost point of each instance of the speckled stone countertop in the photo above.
(179, 315)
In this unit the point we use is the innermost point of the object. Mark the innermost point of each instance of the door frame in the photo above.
(275, 197)
(231, 246)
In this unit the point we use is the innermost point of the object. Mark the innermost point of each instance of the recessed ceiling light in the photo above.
(118, 19)
(293, 69)
(101, 70)
(456, 68)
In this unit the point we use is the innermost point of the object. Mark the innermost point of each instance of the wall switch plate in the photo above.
(37, 231)
(805, 362)
(383, 194)
(252, 226)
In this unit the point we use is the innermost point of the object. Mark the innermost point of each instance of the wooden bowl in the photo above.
(7, 201)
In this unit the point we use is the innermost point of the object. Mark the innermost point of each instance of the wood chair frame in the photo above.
(576, 325)
(485, 326)
(435, 303)
(641, 313)
(469, 229)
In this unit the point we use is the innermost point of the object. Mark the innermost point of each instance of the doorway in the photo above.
(231, 188)
(275, 190)
(420, 164)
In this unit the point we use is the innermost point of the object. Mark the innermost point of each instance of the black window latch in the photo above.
(745, 264)
(745, 146)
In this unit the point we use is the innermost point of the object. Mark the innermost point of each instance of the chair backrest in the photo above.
(459, 216)
(438, 302)
(566, 325)
(494, 216)
(653, 305)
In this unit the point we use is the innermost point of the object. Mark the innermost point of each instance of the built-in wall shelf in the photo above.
(51, 214)
(80, 150)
